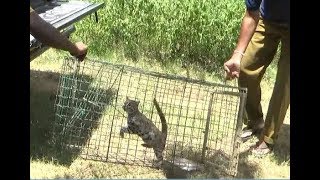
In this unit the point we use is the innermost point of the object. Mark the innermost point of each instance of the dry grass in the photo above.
(46, 164)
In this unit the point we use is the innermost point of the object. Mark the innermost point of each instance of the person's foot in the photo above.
(261, 149)
(249, 132)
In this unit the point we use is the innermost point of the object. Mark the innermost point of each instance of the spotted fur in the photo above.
(138, 123)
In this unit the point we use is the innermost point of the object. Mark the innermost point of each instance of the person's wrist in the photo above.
(238, 52)
(236, 57)
(73, 50)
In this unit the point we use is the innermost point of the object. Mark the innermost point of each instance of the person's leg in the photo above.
(259, 54)
(280, 98)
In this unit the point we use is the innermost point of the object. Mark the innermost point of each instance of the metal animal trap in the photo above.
(204, 119)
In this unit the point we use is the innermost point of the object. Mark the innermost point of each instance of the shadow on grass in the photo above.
(47, 131)
(281, 154)
(282, 145)
(246, 169)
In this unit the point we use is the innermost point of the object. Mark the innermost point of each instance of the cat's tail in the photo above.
(164, 125)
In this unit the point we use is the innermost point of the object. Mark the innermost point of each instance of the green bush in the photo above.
(189, 32)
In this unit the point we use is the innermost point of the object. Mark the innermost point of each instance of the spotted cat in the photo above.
(138, 123)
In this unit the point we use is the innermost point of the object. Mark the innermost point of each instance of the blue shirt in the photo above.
(273, 10)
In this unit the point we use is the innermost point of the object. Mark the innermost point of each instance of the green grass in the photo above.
(184, 32)
(185, 37)
(46, 163)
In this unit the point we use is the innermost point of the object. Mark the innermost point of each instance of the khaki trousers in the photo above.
(258, 56)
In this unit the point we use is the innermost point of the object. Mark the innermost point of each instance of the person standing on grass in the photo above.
(265, 25)
(49, 35)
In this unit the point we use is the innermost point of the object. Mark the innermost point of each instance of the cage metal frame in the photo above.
(77, 98)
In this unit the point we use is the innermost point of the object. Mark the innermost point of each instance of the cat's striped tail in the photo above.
(164, 125)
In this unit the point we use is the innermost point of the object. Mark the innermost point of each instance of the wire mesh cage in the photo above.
(204, 119)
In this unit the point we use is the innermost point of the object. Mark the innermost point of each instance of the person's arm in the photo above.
(49, 35)
(248, 26)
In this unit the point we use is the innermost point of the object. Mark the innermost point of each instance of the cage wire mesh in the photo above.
(204, 119)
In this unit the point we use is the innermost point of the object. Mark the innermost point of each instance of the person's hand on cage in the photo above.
(232, 67)
(79, 51)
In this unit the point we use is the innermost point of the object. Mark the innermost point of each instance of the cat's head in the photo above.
(130, 106)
